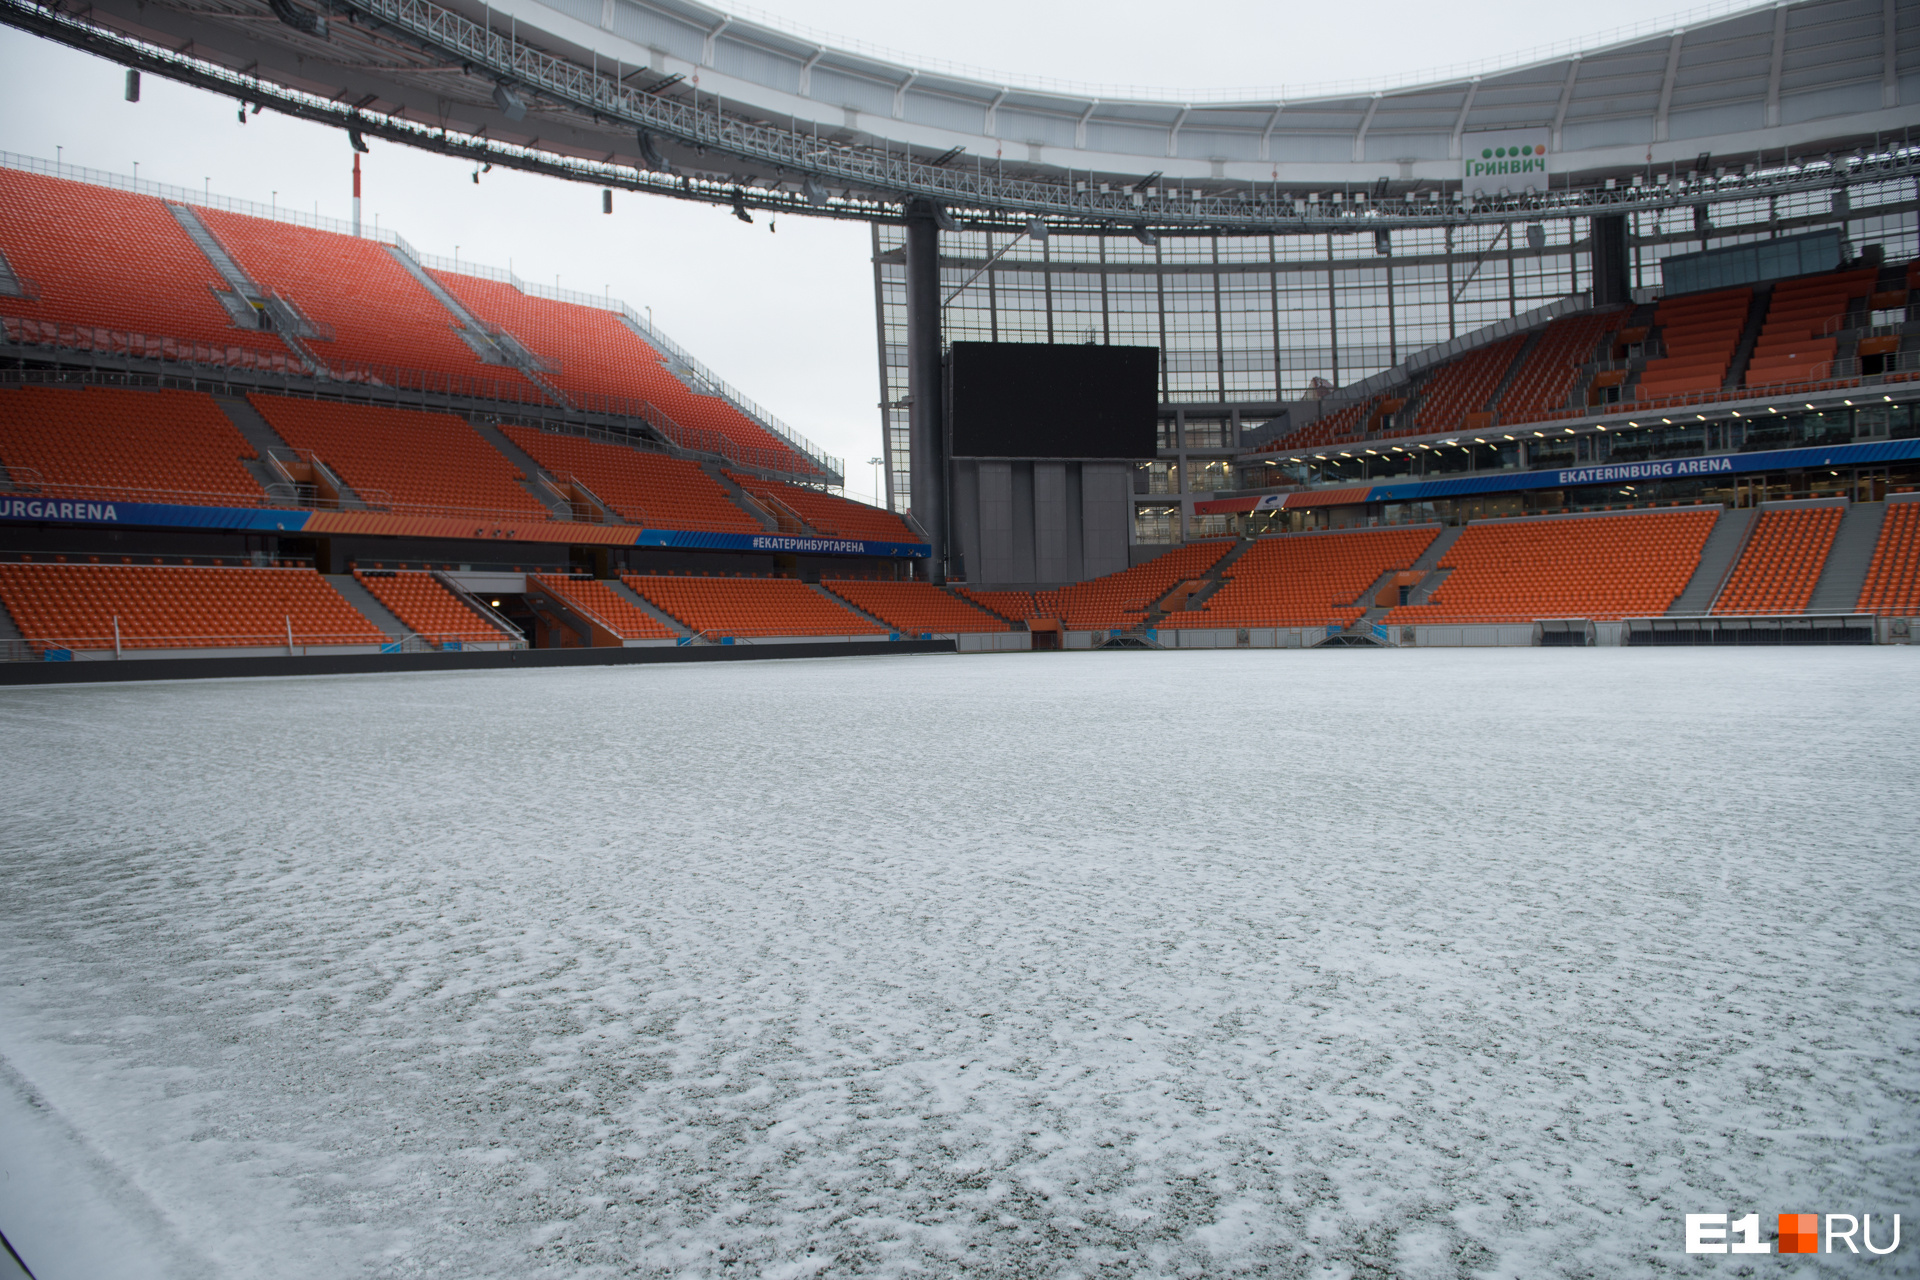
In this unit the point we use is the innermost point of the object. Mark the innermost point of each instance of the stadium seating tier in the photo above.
(643, 488)
(428, 609)
(122, 445)
(597, 600)
(1892, 588)
(750, 607)
(1781, 562)
(916, 607)
(178, 607)
(833, 516)
(1305, 580)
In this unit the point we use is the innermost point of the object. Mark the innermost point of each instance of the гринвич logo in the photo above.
(1526, 158)
(1799, 1233)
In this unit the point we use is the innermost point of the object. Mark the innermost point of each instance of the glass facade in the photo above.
(1253, 320)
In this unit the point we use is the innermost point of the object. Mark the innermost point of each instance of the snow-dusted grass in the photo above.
(1167, 964)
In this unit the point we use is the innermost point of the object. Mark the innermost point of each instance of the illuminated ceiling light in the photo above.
(1771, 409)
(1345, 454)
(1886, 398)
(1633, 424)
(1848, 403)
(1809, 406)
(1374, 452)
(1483, 439)
(1701, 416)
(1569, 430)
(1537, 433)
(1509, 437)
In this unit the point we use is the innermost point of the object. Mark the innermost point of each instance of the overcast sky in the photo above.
(787, 317)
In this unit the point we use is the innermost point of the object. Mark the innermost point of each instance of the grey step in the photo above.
(10, 283)
(1423, 590)
(1443, 543)
(202, 236)
(532, 470)
(1512, 371)
(845, 603)
(364, 600)
(1717, 558)
(741, 498)
(8, 631)
(1749, 336)
(1845, 573)
(647, 607)
(1378, 585)
(491, 343)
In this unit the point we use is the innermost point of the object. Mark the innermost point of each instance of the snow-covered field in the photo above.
(1412, 963)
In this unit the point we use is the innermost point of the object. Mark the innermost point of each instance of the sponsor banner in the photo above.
(1516, 159)
(1841, 455)
(1225, 506)
(151, 514)
(776, 542)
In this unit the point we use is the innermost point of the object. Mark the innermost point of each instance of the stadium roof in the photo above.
(695, 101)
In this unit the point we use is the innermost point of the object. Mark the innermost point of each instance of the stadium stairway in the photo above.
(768, 518)
(1521, 359)
(243, 292)
(1215, 577)
(370, 607)
(1016, 624)
(1428, 563)
(646, 606)
(540, 483)
(494, 345)
(845, 603)
(1749, 337)
(1845, 573)
(1717, 557)
(266, 442)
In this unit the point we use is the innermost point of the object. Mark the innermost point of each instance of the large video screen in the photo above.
(1038, 400)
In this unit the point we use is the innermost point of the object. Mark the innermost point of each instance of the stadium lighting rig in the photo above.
(874, 182)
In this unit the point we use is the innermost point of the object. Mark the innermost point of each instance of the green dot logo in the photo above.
(1486, 153)
(1526, 151)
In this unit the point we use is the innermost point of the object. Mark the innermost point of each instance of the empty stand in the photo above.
(127, 446)
(597, 358)
(1015, 605)
(749, 607)
(1798, 342)
(1599, 567)
(1119, 601)
(1305, 580)
(177, 607)
(597, 602)
(1782, 561)
(643, 488)
(428, 609)
(380, 315)
(1544, 384)
(109, 259)
(1342, 426)
(827, 514)
(401, 459)
(1464, 386)
(916, 607)
(1700, 333)
(1893, 579)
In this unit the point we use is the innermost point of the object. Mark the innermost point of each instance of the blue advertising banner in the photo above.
(155, 514)
(776, 542)
(283, 520)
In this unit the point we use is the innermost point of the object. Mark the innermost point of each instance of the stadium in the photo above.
(492, 799)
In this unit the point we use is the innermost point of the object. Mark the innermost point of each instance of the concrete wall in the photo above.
(1026, 523)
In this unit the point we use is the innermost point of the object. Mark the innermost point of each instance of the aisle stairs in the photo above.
(1185, 595)
(1717, 557)
(541, 484)
(357, 595)
(1845, 574)
(491, 343)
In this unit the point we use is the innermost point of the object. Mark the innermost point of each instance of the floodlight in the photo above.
(133, 85)
(650, 154)
(814, 192)
(1536, 236)
(1144, 236)
(943, 219)
(740, 207)
(355, 140)
(510, 103)
(606, 201)
(1382, 242)
(1037, 229)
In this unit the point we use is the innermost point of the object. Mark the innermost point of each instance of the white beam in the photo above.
(706, 48)
(1173, 134)
(900, 95)
(806, 71)
(1460, 122)
(993, 113)
(1666, 85)
(1566, 96)
(1360, 135)
(1266, 134)
(1080, 126)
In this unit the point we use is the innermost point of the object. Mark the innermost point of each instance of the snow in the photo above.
(1415, 963)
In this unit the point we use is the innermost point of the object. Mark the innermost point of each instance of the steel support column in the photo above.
(926, 411)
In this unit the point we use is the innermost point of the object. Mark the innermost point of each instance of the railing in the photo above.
(63, 648)
(144, 346)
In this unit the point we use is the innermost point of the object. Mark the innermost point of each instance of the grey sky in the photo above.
(787, 317)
